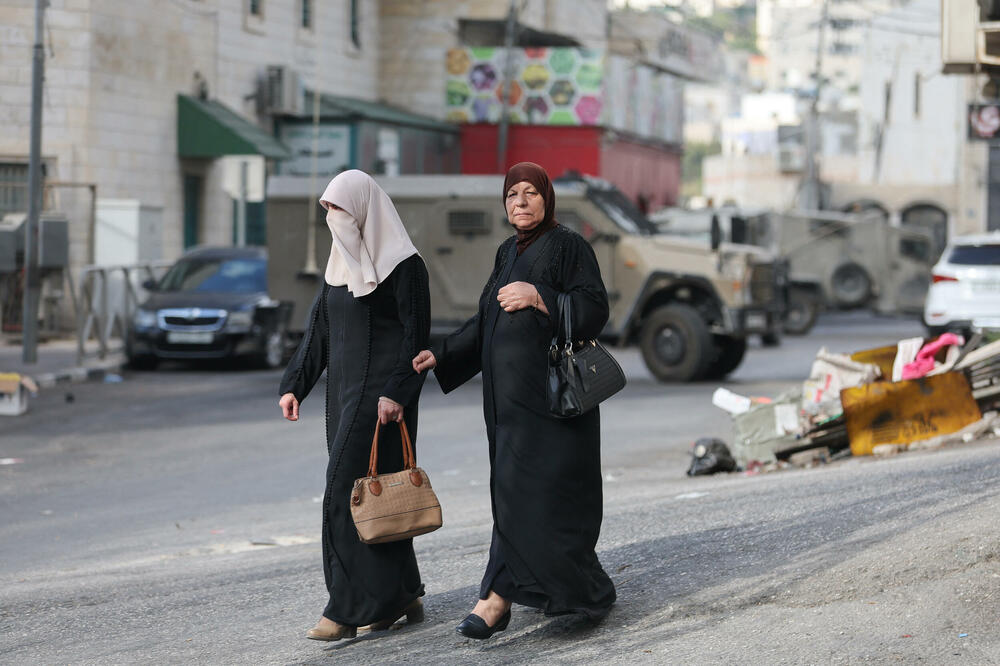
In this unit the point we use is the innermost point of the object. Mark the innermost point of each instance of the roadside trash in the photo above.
(830, 374)
(963, 635)
(924, 363)
(111, 378)
(731, 402)
(902, 412)
(848, 406)
(11, 461)
(710, 455)
(906, 352)
(70, 397)
(14, 390)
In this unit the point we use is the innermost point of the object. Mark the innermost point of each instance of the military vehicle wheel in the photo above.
(675, 343)
(729, 354)
(850, 285)
(803, 308)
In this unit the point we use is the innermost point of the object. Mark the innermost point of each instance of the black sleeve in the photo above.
(459, 356)
(310, 359)
(579, 275)
(409, 288)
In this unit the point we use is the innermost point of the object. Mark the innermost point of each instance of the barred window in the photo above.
(13, 188)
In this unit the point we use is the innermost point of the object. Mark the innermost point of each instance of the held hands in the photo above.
(520, 295)
(424, 361)
(289, 407)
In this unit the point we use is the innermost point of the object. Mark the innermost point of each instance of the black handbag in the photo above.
(581, 374)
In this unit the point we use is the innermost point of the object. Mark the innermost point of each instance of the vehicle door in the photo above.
(459, 249)
(910, 255)
(585, 220)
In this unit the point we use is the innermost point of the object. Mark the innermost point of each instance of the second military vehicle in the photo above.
(688, 306)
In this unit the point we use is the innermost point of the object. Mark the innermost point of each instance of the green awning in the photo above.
(206, 128)
(350, 108)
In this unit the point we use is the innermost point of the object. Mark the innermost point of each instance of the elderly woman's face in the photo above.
(525, 206)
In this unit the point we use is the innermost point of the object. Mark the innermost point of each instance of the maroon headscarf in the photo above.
(534, 174)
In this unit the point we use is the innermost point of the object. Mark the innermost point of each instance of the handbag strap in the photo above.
(409, 458)
(566, 316)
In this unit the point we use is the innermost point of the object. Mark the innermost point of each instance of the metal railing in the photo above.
(105, 302)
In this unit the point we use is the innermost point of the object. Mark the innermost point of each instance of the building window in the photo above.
(355, 22)
(916, 95)
(255, 8)
(306, 19)
(13, 188)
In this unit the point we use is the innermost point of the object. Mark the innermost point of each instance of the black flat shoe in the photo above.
(474, 626)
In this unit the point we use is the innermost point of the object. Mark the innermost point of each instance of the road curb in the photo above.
(77, 374)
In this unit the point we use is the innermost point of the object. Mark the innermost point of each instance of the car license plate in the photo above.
(189, 337)
(756, 320)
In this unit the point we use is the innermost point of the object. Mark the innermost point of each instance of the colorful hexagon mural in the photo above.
(551, 86)
(483, 76)
(562, 93)
(562, 61)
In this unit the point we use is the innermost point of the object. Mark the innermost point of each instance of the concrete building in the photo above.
(113, 75)
(593, 91)
(788, 35)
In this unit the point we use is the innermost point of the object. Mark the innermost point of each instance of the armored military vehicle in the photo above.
(836, 260)
(689, 307)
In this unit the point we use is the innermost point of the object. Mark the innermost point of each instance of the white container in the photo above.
(13, 395)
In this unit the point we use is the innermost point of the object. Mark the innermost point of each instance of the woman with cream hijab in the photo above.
(371, 316)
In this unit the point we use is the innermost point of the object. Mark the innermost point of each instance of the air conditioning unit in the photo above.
(282, 91)
(988, 43)
(791, 158)
(970, 35)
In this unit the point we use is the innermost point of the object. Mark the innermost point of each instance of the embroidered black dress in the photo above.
(545, 472)
(366, 345)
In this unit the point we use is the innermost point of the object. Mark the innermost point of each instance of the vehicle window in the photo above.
(975, 255)
(242, 276)
(468, 223)
(915, 248)
(621, 211)
(572, 220)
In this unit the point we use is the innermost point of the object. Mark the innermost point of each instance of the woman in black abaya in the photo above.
(371, 316)
(545, 472)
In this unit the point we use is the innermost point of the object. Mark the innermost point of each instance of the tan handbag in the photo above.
(400, 505)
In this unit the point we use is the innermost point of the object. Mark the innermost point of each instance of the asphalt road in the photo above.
(174, 518)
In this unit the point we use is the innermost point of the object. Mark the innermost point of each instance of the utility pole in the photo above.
(32, 280)
(809, 193)
(310, 266)
(508, 74)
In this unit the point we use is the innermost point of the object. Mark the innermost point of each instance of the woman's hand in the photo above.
(424, 361)
(520, 295)
(389, 410)
(289, 407)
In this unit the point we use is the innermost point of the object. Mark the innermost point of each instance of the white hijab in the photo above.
(369, 239)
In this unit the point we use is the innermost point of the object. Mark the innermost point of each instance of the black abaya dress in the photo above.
(545, 472)
(366, 345)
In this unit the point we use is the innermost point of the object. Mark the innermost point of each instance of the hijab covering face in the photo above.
(536, 175)
(369, 239)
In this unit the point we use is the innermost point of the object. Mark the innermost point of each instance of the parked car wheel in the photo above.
(675, 343)
(803, 308)
(729, 354)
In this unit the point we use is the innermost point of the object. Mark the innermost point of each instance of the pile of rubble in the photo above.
(915, 394)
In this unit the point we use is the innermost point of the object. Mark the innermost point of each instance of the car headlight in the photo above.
(144, 318)
(239, 321)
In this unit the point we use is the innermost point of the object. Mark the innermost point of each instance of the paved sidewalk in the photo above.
(56, 363)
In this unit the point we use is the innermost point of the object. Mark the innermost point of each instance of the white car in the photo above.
(965, 291)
